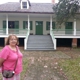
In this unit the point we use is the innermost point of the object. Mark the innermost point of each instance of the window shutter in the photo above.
(31, 25)
(47, 25)
(23, 24)
(4, 24)
(17, 24)
(53, 25)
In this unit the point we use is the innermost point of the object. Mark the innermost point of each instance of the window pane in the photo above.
(25, 24)
(31, 25)
(17, 24)
(4, 24)
(24, 6)
(24, 3)
(47, 25)
(53, 25)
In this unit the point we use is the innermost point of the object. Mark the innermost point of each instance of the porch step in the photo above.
(40, 49)
(40, 42)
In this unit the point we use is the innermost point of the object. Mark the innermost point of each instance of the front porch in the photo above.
(56, 32)
(18, 32)
(41, 25)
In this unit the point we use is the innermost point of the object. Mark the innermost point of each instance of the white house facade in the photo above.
(24, 19)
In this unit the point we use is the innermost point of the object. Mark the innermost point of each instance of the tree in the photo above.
(65, 9)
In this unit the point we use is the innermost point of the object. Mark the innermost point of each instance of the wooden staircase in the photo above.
(40, 42)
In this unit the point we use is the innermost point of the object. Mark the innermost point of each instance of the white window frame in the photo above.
(27, 4)
(24, 4)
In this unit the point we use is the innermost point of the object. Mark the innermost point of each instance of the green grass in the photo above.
(25, 65)
(71, 67)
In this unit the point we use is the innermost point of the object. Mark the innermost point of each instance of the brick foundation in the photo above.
(5, 39)
(53, 1)
(74, 42)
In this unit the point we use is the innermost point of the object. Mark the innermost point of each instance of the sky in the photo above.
(35, 1)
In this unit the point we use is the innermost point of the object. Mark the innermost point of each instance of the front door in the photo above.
(39, 28)
(69, 28)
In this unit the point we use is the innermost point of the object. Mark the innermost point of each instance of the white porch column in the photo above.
(74, 26)
(28, 23)
(6, 24)
(51, 22)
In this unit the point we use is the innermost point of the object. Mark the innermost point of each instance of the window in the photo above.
(16, 23)
(48, 25)
(11, 24)
(69, 28)
(25, 25)
(31, 25)
(24, 4)
(4, 24)
(53, 25)
(69, 25)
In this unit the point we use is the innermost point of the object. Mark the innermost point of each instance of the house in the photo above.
(26, 19)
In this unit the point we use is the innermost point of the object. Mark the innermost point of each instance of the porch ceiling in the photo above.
(24, 15)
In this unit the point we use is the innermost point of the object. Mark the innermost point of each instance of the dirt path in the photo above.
(43, 65)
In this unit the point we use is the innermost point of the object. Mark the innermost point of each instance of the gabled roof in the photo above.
(15, 7)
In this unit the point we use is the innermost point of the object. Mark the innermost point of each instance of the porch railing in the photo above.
(78, 31)
(63, 32)
(2, 31)
(13, 31)
(53, 39)
(60, 32)
(17, 31)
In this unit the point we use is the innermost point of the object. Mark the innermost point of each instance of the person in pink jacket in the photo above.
(8, 56)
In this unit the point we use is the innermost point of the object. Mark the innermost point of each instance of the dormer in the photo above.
(25, 4)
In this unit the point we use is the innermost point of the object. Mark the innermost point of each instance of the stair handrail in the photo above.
(26, 39)
(53, 38)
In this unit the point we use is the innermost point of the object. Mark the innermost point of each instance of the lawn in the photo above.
(71, 68)
(64, 62)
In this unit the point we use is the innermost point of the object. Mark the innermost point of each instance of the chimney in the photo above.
(20, 1)
(53, 1)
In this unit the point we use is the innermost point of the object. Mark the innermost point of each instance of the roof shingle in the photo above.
(35, 7)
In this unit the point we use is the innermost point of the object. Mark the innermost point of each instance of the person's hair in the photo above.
(8, 39)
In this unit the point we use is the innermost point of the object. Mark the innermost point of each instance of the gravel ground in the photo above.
(43, 64)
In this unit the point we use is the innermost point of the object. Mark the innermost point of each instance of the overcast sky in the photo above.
(36, 1)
